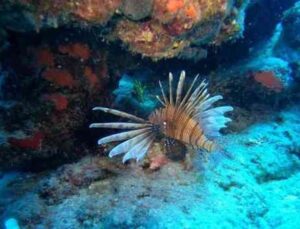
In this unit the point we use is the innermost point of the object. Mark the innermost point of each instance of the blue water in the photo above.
(58, 61)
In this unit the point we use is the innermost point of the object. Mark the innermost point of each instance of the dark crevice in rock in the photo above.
(279, 176)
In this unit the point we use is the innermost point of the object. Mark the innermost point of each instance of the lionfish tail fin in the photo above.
(213, 119)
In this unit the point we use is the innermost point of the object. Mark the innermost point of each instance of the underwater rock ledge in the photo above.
(153, 28)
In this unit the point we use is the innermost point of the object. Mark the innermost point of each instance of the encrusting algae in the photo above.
(190, 119)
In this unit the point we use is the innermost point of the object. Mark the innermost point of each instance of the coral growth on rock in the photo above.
(96, 11)
(76, 50)
(33, 142)
(44, 122)
(60, 101)
(269, 80)
(153, 28)
(59, 77)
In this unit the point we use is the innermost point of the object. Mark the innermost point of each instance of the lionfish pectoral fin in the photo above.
(119, 113)
(119, 125)
(132, 152)
(121, 136)
(139, 150)
(127, 145)
(143, 152)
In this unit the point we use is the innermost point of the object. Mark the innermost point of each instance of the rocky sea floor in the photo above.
(255, 184)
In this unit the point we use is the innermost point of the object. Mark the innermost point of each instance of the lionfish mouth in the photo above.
(190, 119)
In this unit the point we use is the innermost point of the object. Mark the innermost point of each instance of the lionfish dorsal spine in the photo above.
(160, 100)
(189, 91)
(179, 88)
(163, 93)
(199, 91)
(122, 136)
(170, 88)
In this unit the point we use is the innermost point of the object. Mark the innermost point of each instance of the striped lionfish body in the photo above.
(181, 126)
(189, 118)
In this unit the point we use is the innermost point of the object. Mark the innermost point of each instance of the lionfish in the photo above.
(190, 119)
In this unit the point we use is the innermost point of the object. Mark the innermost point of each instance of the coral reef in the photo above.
(45, 122)
(269, 80)
(59, 78)
(175, 25)
(152, 28)
(137, 9)
(286, 46)
(76, 50)
(266, 70)
(70, 73)
(96, 11)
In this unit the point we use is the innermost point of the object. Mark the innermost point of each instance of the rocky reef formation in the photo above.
(288, 44)
(291, 25)
(47, 92)
(153, 28)
(271, 65)
(72, 69)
